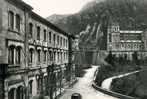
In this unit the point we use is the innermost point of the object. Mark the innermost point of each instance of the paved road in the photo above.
(106, 84)
(83, 86)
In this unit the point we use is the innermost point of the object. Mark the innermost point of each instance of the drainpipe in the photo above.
(25, 54)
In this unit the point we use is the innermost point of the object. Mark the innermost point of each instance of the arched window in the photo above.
(11, 20)
(61, 41)
(18, 55)
(31, 54)
(45, 56)
(11, 94)
(50, 56)
(45, 35)
(54, 38)
(11, 55)
(50, 37)
(30, 30)
(18, 22)
(58, 40)
(38, 33)
(39, 55)
(64, 42)
(54, 56)
(58, 56)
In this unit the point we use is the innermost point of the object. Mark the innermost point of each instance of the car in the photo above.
(76, 96)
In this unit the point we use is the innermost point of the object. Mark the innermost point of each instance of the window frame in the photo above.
(11, 20)
(18, 22)
(38, 32)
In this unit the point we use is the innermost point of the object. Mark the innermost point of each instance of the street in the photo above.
(83, 86)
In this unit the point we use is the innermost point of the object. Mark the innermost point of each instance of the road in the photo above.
(106, 84)
(83, 86)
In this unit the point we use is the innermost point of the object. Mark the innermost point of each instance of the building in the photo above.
(35, 55)
(125, 42)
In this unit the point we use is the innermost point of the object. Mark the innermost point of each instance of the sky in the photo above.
(46, 8)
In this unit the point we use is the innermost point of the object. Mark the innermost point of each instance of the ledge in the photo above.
(111, 93)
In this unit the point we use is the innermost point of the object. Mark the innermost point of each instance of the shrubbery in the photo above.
(116, 66)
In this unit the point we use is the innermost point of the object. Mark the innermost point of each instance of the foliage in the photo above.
(103, 73)
(117, 66)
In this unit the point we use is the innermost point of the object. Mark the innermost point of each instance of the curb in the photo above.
(111, 93)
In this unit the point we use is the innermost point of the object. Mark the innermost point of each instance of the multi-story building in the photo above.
(125, 42)
(35, 55)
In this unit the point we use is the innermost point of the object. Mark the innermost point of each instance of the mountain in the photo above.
(93, 19)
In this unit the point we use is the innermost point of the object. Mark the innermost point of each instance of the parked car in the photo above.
(76, 96)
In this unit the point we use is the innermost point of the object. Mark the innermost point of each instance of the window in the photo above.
(44, 35)
(11, 55)
(49, 56)
(58, 57)
(17, 22)
(54, 57)
(64, 42)
(18, 55)
(45, 56)
(31, 55)
(30, 29)
(58, 40)
(39, 54)
(61, 41)
(110, 38)
(64, 56)
(11, 20)
(50, 37)
(38, 33)
(54, 38)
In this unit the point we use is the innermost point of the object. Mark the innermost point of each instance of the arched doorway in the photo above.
(31, 87)
(20, 93)
(11, 94)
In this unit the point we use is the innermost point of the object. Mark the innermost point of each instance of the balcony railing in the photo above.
(13, 68)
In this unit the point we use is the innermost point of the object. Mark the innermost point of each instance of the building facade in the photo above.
(35, 55)
(125, 42)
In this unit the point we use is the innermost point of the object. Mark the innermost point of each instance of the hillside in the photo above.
(93, 19)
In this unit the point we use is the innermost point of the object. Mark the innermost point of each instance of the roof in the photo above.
(21, 4)
(46, 22)
(131, 31)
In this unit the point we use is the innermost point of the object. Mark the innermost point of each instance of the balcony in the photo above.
(13, 68)
(31, 41)
(44, 44)
(38, 42)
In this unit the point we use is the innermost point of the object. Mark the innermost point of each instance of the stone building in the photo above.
(125, 42)
(35, 55)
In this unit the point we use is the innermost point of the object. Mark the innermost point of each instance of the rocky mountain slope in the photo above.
(92, 21)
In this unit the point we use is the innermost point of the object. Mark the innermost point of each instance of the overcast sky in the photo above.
(46, 8)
